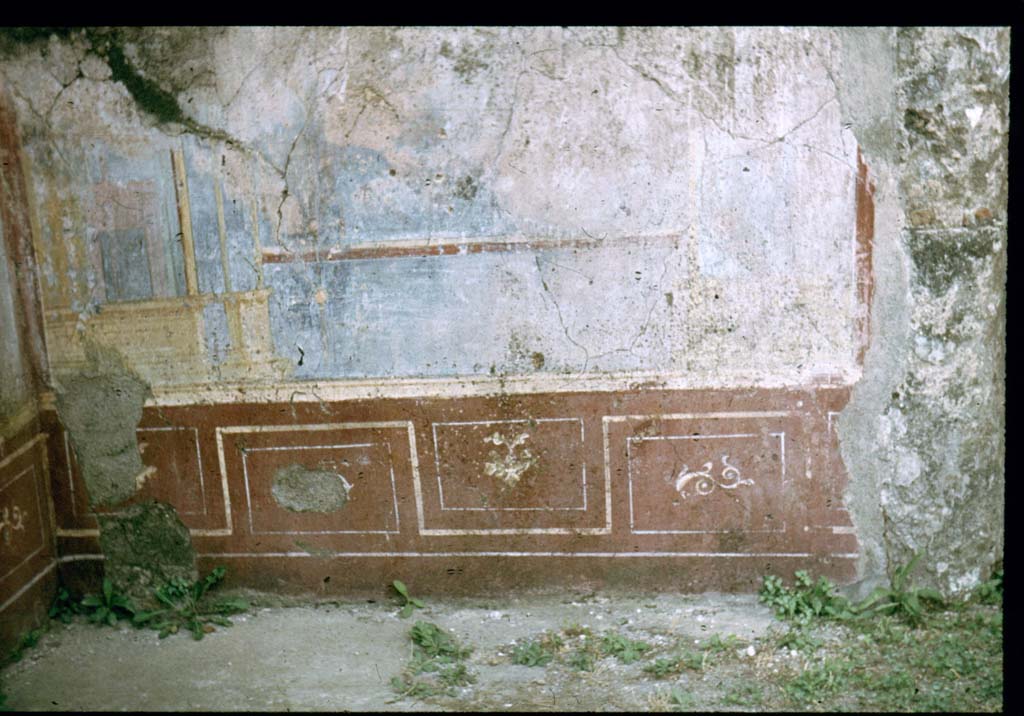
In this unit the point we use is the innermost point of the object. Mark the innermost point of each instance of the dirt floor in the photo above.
(664, 652)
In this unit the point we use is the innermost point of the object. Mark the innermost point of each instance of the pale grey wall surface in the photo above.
(15, 381)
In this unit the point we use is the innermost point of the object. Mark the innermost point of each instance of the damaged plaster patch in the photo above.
(146, 546)
(300, 489)
(100, 408)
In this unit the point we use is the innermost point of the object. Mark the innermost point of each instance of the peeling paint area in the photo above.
(300, 489)
(146, 546)
(101, 408)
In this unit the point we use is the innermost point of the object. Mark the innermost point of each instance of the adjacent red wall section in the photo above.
(27, 549)
(653, 489)
(27, 559)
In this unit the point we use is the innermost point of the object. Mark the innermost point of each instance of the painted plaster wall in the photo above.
(389, 204)
(15, 381)
(685, 194)
(27, 543)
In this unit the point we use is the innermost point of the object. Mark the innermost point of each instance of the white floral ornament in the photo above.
(704, 483)
(509, 468)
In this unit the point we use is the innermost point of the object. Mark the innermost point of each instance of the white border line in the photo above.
(437, 466)
(25, 587)
(326, 554)
(231, 429)
(689, 416)
(197, 532)
(464, 386)
(513, 531)
(24, 448)
(248, 498)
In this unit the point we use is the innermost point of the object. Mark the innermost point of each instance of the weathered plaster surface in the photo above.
(15, 380)
(682, 174)
(923, 436)
(100, 408)
(145, 546)
(945, 424)
(260, 205)
(302, 490)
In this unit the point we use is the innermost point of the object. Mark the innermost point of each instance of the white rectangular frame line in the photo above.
(407, 424)
(196, 532)
(248, 497)
(629, 477)
(512, 531)
(440, 488)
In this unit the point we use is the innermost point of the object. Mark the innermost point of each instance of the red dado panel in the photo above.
(23, 515)
(512, 477)
(691, 489)
(176, 476)
(707, 474)
(26, 534)
(361, 454)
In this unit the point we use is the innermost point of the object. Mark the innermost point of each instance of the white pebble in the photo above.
(750, 650)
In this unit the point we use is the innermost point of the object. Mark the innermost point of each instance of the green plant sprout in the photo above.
(109, 606)
(184, 608)
(409, 603)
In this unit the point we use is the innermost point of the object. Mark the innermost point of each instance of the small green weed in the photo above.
(574, 630)
(537, 652)
(800, 639)
(108, 607)
(747, 694)
(438, 654)
(437, 643)
(693, 660)
(991, 590)
(674, 699)
(26, 642)
(716, 644)
(665, 666)
(64, 607)
(185, 607)
(897, 599)
(406, 685)
(662, 667)
(456, 675)
(625, 650)
(818, 682)
(582, 660)
(807, 599)
(409, 602)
